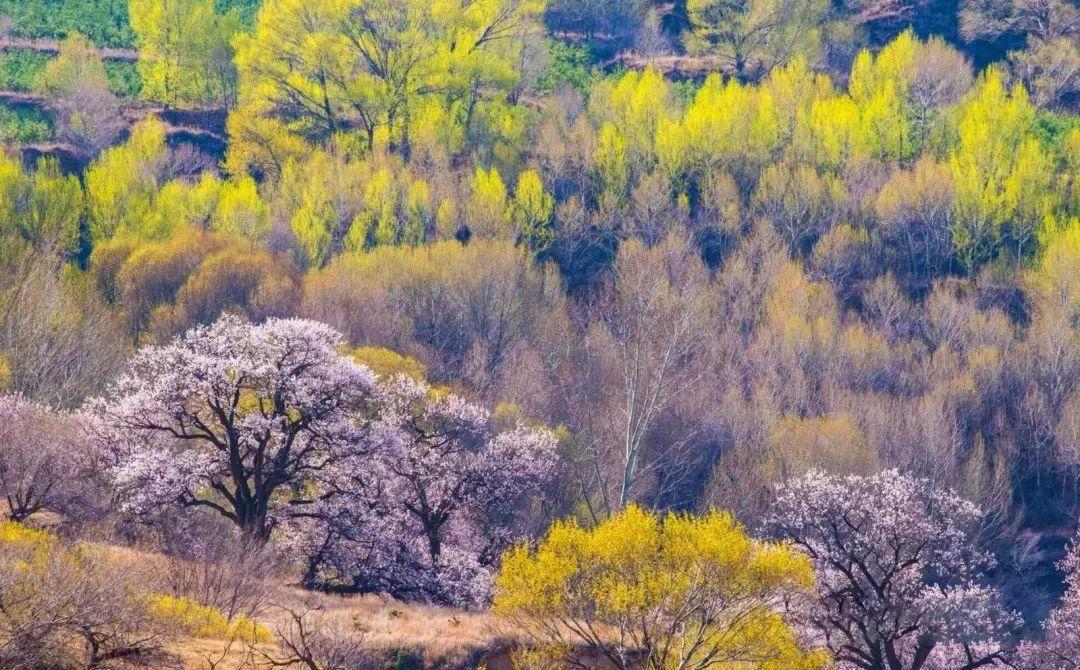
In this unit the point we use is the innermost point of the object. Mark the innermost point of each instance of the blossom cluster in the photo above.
(898, 568)
(383, 485)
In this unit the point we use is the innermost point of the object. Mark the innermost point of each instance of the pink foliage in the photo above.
(42, 459)
(437, 504)
(898, 571)
(383, 486)
(1060, 647)
(243, 419)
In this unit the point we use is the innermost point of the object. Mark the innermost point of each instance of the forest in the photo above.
(540, 334)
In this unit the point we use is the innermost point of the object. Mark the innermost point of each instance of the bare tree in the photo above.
(644, 352)
(309, 639)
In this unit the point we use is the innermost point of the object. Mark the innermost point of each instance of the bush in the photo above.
(205, 622)
(19, 70)
(66, 605)
(105, 22)
(23, 127)
(675, 591)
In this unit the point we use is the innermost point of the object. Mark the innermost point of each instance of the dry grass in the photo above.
(436, 637)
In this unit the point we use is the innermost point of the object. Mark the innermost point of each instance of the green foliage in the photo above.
(104, 22)
(568, 65)
(124, 79)
(19, 70)
(185, 55)
(23, 126)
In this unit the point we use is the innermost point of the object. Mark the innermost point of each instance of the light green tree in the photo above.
(185, 52)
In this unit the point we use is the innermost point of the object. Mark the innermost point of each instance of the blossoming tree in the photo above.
(898, 572)
(39, 464)
(251, 421)
(438, 503)
(1060, 646)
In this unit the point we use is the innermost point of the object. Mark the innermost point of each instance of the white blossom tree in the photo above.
(40, 466)
(1060, 647)
(254, 422)
(438, 503)
(898, 572)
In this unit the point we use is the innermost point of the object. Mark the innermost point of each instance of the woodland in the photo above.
(729, 334)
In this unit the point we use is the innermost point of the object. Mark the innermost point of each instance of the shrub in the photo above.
(203, 621)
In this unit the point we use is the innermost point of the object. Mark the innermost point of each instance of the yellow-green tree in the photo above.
(487, 210)
(641, 590)
(533, 209)
(314, 68)
(241, 211)
(1003, 178)
(185, 52)
(750, 37)
(122, 183)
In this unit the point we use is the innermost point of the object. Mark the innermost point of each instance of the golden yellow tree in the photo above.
(681, 591)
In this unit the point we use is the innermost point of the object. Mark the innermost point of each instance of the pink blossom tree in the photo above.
(1060, 647)
(254, 422)
(898, 572)
(437, 505)
(39, 457)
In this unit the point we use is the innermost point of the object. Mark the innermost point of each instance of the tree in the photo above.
(1050, 70)
(241, 419)
(645, 350)
(122, 183)
(313, 69)
(185, 55)
(898, 571)
(750, 37)
(533, 210)
(436, 506)
(39, 450)
(62, 342)
(641, 590)
(616, 21)
(89, 113)
(1060, 646)
(1001, 173)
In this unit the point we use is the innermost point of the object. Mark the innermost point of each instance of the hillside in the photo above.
(540, 334)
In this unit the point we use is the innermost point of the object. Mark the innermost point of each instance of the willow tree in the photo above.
(750, 37)
(185, 56)
(312, 69)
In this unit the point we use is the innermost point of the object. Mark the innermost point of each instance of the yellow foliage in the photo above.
(1000, 171)
(389, 363)
(6, 377)
(122, 183)
(18, 536)
(612, 161)
(241, 211)
(683, 587)
(205, 622)
(487, 211)
(533, 210)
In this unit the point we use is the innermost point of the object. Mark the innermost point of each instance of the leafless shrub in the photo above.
(70, 605)
(310, 640)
